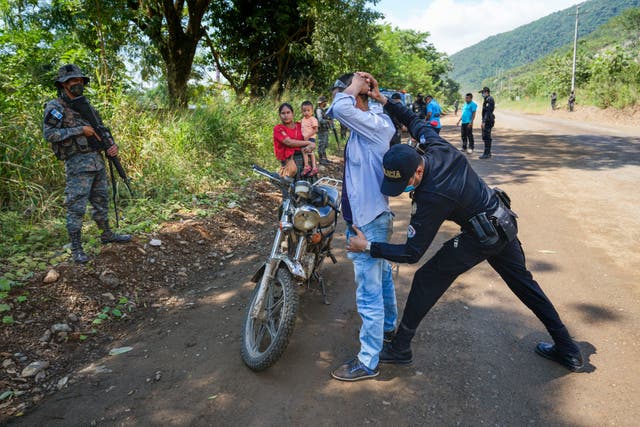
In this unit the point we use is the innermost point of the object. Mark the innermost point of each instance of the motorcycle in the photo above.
(308, 218)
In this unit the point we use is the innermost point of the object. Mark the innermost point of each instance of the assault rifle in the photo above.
(83, 107)
(335, 133)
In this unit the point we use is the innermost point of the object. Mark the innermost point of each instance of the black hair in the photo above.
(346, 79)
(429, 96)
(307, 103)
(285, 104)
(470, 95)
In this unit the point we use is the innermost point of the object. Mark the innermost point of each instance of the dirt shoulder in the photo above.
(628, 118)
(75, 314)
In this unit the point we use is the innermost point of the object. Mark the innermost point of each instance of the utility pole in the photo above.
(575, 49)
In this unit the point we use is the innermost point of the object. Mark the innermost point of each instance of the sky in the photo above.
(456, 24)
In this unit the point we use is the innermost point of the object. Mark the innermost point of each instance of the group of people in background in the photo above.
(295, 142)
(429, 110)
(571, 102)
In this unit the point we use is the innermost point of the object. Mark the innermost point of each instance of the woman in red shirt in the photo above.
(288, 139)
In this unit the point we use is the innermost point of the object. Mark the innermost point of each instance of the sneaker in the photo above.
(571, 361)
(469, 150)
(324, 161)
(354, 370)
(485, 156)
(388, 336)
(394, 357)
(463, 149)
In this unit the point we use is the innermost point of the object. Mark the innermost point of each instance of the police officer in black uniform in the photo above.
(397, 137)
(488, 121)
(443, 187)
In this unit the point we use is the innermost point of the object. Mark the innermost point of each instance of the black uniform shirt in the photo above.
(450, 190)
(488, 106)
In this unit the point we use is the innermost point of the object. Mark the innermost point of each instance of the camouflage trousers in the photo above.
(323, 143)
(82, 187)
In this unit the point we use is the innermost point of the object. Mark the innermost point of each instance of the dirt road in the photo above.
(575, 189)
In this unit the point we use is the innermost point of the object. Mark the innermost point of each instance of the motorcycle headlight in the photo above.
(306, 218)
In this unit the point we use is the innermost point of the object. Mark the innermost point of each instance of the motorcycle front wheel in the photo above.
(265, 338)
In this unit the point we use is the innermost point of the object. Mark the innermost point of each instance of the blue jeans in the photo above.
(375, 293)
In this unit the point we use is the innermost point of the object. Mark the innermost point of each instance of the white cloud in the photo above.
(454, 25)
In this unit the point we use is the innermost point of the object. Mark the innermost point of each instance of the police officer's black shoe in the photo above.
(395, 357)
(571, 361)
(485, 156)
(111, 237)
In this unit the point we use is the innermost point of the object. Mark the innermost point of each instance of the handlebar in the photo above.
(277, 179)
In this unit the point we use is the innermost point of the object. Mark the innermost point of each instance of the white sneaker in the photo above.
(461, 149)
(469, 151)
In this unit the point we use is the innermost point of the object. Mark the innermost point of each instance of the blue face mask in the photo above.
(409, 188)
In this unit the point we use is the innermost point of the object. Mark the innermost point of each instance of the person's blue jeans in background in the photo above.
(375, 292)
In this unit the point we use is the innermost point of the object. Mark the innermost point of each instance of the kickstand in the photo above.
(323, 288)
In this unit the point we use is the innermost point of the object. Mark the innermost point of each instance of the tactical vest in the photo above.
(65, 149)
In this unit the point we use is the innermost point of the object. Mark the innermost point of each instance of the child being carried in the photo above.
(309, 130)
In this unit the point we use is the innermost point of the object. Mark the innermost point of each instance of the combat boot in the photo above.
(109, 236)
(77, 253)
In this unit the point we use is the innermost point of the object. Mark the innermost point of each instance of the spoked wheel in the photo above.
(265, 338)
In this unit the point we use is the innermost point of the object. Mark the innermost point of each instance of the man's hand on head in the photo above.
(359, 85)
(374, 88)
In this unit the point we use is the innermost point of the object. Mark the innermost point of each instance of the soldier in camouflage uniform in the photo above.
(70, 137)
(324, 124)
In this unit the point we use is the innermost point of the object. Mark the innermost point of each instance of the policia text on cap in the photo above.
(445, 187)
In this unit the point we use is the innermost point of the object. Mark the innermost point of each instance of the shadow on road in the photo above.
(520, 155)
(474, 364)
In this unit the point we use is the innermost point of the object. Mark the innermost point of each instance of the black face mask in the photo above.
(76, 89)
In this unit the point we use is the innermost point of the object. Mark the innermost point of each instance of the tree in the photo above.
(409, 61)
(275, 43)
(102, 27)
(175, 31)
(254, 45)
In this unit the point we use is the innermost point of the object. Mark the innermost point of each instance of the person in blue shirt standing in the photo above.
(433, 114)
(468, 116)
(365, 207)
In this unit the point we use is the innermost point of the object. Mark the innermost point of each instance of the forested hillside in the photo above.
(607, 72)
(530, 42)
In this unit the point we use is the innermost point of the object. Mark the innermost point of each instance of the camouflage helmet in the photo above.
(70, 71)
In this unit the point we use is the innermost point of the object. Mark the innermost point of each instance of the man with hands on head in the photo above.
(364, 206)
(443, 187)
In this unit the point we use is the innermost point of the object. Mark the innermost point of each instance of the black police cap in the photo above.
(400, 164)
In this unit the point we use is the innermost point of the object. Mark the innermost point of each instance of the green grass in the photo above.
(182, 163)
(528, 105)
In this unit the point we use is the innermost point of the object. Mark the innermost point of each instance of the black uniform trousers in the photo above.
(466, 132)
(461, 254)
(486, 137)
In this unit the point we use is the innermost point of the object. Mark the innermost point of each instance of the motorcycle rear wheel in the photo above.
(264, 339)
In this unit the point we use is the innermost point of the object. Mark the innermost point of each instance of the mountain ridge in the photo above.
(531, 41)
